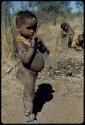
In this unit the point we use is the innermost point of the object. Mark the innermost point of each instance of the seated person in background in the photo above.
(79, 42)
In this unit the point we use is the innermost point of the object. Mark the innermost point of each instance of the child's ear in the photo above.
(18, 30)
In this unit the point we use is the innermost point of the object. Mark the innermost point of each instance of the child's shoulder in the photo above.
(21, 39)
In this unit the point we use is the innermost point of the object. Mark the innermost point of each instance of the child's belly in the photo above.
(37, 63)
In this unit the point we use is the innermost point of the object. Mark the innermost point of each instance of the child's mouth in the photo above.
(31, 36)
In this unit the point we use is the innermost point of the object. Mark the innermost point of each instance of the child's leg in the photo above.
(70, 41)
(29, 92)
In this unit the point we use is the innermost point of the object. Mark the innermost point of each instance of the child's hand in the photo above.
(34, 39)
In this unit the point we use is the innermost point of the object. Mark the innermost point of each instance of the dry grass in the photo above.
(50, 33)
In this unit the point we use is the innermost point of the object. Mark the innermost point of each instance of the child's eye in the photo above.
(31, 28)
(28, 28)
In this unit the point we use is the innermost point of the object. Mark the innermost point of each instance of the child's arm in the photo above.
(70, 31)
(64, 33)
(25, 54)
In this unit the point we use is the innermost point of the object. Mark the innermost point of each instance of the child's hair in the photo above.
(22, 15)
(64, 24)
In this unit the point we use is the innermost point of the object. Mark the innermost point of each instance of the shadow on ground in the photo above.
(43, 95)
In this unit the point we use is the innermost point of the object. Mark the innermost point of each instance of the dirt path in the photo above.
(64, 105)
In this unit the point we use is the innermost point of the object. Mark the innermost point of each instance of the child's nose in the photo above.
(32, 31)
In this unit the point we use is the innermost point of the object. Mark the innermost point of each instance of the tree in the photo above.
(52, 9)
(80, 6)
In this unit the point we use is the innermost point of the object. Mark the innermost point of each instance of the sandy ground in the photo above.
(65, 104)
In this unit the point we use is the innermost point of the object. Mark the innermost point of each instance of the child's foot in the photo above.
(33, 122)
(29, 118)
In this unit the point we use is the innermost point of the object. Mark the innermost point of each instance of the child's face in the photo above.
(66, 27)
(28, 28)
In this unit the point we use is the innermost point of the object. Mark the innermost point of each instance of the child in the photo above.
(31, 50)
(67, 33)
(79, 42)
